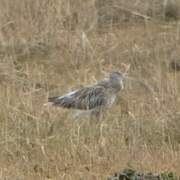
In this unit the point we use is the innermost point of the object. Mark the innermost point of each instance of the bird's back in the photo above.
(85, 98)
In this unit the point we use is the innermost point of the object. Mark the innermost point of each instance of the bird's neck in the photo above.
(116, 85)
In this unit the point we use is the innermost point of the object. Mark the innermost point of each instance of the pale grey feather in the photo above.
(100, 95)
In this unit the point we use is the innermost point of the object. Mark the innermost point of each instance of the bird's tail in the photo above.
(51, 101)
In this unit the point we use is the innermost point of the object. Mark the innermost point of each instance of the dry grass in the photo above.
(48, 48)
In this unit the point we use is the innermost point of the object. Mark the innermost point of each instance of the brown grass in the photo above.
(50, 47)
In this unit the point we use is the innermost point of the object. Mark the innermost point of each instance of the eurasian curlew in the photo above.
(93, 98)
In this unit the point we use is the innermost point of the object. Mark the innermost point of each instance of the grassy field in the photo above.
(52, 47)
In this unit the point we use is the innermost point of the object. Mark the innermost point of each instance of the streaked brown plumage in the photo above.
(94, 97)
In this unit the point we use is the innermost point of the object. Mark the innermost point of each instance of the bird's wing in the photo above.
(84, 99)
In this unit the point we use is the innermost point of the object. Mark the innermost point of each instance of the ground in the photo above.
(43, 54)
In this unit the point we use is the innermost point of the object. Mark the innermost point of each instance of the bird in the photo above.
(94, 98)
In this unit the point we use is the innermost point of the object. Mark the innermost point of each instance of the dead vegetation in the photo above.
(50, 47)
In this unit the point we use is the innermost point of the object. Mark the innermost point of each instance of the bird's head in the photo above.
(117, 78)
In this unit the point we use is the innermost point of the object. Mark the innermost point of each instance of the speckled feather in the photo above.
(85, 99)
(102, 94)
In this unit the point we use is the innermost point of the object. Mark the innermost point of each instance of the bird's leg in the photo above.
(97, 114)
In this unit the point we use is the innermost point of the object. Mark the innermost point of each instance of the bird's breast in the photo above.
(111, 100)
